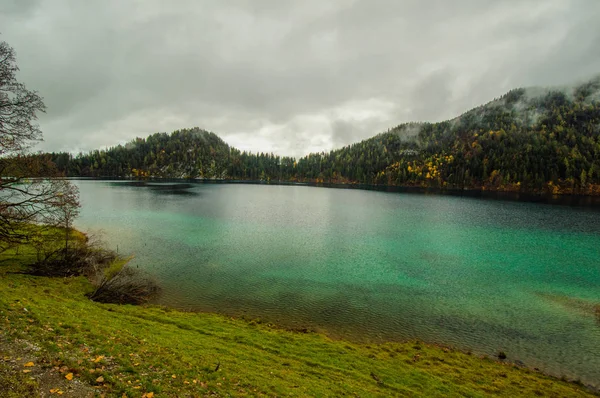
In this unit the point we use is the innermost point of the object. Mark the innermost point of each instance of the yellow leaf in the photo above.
(29, 364)
(174, 376)
(69, 376)
(98, 358)
(26, 370)
(100, 379)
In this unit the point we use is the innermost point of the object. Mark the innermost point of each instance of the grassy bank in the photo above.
(54, 340)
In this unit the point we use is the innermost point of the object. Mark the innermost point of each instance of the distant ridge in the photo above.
(535, 140)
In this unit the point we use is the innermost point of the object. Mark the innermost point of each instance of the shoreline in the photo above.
(564, 199)
(161, 349)
(367, 341)
(371, 341)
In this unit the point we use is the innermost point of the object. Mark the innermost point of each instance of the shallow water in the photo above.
(479, 275)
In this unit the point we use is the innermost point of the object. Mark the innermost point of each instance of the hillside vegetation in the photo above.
(54, 341)
(530, 140)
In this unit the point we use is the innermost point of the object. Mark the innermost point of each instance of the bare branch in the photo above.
(31, 188)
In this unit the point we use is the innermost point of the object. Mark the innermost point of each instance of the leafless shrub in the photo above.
(85, 257)
(127, 286)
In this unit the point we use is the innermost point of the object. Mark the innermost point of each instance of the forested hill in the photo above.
(533, 140)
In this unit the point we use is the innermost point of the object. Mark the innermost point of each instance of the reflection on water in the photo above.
(480, 275)
(157, 187)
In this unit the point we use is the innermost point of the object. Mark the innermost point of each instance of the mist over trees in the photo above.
(532, 140)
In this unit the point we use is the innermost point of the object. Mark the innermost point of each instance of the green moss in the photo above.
(173, 353)
(14, 384)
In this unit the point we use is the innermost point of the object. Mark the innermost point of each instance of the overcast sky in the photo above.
(285, 76)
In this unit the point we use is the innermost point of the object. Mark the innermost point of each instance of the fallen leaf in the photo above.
(174, 376)
(29, 364)
(100, 379)
(26, 370)
(69, 376)
(148, 395)
(98, 358)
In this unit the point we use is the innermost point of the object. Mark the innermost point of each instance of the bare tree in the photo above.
(66, 209)
(31, 190)
(18, 107)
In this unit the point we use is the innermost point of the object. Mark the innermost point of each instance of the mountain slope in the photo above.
(531, 140)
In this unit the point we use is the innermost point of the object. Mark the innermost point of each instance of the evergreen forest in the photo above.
(529, 140)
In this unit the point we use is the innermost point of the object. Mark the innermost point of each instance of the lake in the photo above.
(479, 275)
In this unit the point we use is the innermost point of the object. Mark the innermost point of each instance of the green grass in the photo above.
(138, 350)
(14, 384)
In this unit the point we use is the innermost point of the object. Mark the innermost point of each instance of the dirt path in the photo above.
(25, 371)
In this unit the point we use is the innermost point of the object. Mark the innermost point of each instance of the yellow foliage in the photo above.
(69, 376)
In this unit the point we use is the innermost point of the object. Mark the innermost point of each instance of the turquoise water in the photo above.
(478, 275)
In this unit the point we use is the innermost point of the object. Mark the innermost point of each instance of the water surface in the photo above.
(479, 275)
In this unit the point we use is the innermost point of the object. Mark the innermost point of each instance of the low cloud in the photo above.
(287, 77)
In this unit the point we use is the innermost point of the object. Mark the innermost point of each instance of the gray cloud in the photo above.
(288, 77)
